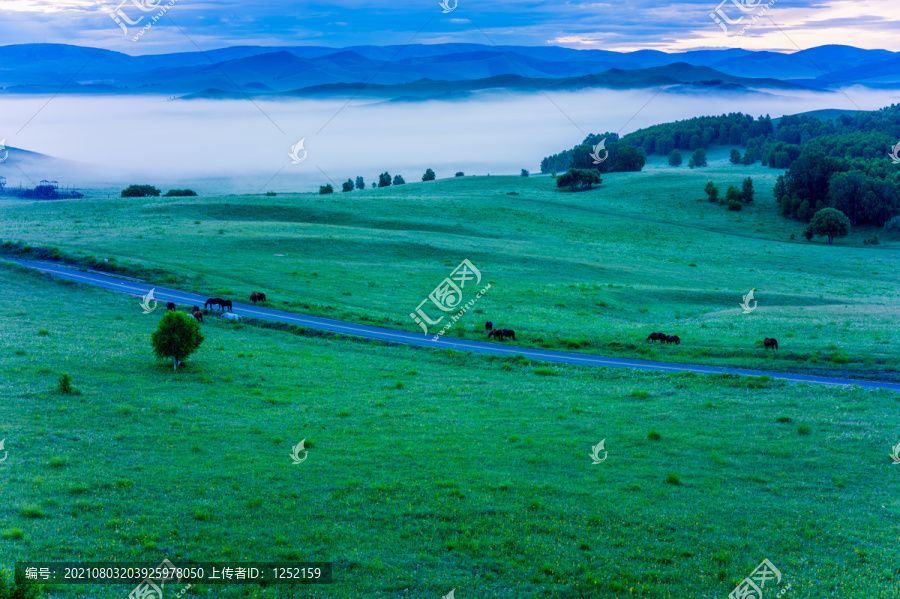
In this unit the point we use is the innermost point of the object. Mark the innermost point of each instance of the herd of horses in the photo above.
(499, 334)
(663, 338)
(212, 302)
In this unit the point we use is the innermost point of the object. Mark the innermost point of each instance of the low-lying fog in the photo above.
(243, 146)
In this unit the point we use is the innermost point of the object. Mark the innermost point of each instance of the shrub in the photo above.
(654, 436)
(398, 180)
(712, 192)
(672, 479)
(873, 240)
(347, 185)
(736, 206)
(31, 512)
(460, 174)
(19, 588)
(545, 372)
(893, 224)
(140, 191)
(43, 332)
(428, 176)
(803, 429)
(64, 385)
(525, 172)
(180, 193)
(271, 193)
(698, 158)
(323, 189)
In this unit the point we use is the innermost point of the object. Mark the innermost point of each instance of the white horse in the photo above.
(231, 316)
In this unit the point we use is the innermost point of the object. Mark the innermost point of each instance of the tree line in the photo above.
(384, 180)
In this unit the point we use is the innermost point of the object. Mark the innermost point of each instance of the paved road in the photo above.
(138, 288)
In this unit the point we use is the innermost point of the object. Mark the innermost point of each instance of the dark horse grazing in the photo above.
(661, 337)
(197, 314)
(508, 333)
(488, 326)
(673, 339)
(257, 297)
(770, 342)
(170, 306)
(225, 304)
(498, 333)
(213, 301)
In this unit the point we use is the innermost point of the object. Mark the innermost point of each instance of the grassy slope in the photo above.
(428, 470)
(594, 271)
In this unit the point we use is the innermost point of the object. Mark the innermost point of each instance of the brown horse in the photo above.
(170, 306)
(498, 333)
(656, 337)
(197, 314)
(508, 333)
(770, 342)
(488, 326)
(223, 303)
(673, 339)
(257, 297)
(213, 301)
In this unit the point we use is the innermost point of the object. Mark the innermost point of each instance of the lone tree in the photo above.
(712, 192)
(323, 189)
(747, 190)
(177, 336)
(828, 222)
(398, 180)
(460, 174)
(428, 176)
(583, 178)
(698, 158)
(347, 185)
(525, 172)
(675, 158)
(360, 183)
(140, 191)
(384, 179)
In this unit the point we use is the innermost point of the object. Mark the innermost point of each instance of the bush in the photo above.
(893, 224)
(19, 587)
(177, 336)
(323, 189)
(428, 176)
(736, 206)
(398, 180)
(525, 172)
(360, 183)
(460, 174)
(271, 194)
(347, 185)
(583, 178)
(698, 158)
(64, 385)
(654, 436)
(180, 193)
(873, 240)
(140, 191)
(712, 192)
(675, 158)
(384, 179)
(672, 479)
(803, 429)
(747, 190)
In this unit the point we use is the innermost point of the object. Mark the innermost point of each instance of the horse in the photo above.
(257, 297)
(197, 314)
(232, 317)
(498, 333)
(213, 301)
(652, 337)
(195, 309)
(225, 304)
(508, 333)
(170, 306)
(673, 339)
(770, 342)
(488, 325)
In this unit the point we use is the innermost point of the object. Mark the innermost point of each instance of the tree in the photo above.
(323, 189)
(577, 177)
(384, 179)
(347, 185)
(177, 336)
(180, 193)
(360, 183)
(525, 172)
(698, 158)
(428, 176)
(675, 158)
(732, 195)
(747, 190)
(735, 156)
(696, 142)
(374, 184)
(140, 191)
(712, 192)
(627, 159)
(460, 174)
(828, 222)
(398, 180)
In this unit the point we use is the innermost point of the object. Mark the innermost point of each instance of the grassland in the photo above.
(428, 470)
(595, 271)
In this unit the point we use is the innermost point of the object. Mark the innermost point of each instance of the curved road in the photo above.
(139, 288)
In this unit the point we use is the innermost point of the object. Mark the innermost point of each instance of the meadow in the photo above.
(596, 271)
(427, 470)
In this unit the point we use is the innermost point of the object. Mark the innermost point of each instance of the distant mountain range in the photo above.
(418, 72)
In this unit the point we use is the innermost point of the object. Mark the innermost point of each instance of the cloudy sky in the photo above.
(622, 25)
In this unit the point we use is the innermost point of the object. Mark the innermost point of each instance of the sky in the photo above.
(189, 25)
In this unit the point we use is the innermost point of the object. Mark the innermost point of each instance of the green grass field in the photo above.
(595, 271)
(427, 470)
